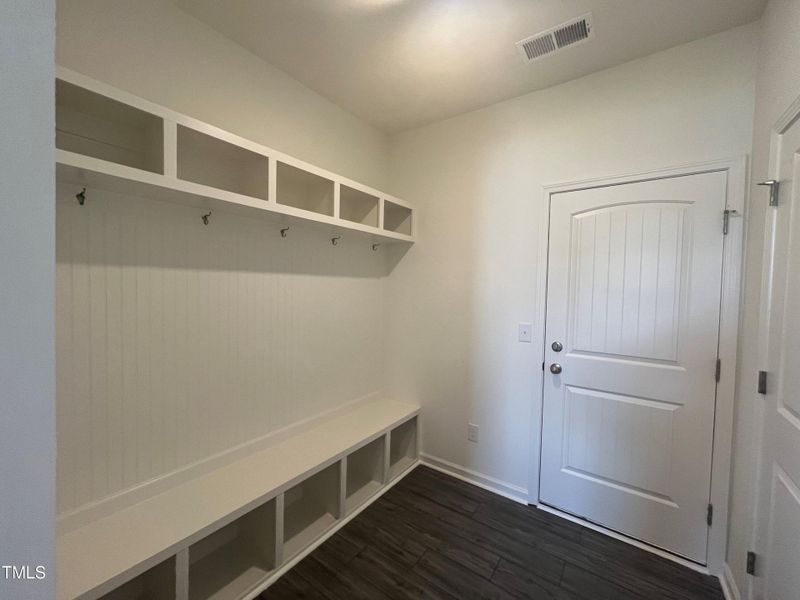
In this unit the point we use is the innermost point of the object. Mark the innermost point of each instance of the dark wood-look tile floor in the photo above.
(435, 537)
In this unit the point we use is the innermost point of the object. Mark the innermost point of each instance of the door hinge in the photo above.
(774, 190)
(710, 515)
(751, 563)
(718, 370)
(762, 382)
(726, 219)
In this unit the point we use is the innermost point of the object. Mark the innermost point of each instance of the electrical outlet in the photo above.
(525, 332)
(472, 432)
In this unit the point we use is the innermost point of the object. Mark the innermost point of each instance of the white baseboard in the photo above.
(728, 583)
(502, 488)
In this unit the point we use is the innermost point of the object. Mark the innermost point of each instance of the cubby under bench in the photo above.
(229, 533)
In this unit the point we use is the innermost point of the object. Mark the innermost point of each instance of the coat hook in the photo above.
(81, 196)
(375, 247)
(335, 240)
(205, 218)
(283, 232)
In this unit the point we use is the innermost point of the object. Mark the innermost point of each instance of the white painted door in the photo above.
(778, 528)
(633, 296)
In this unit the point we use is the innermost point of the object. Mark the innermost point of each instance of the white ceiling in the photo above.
(403, 63)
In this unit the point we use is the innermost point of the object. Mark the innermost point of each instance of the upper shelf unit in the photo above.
(109, 139)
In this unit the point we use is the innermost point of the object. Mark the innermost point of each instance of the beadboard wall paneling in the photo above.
(177, 341)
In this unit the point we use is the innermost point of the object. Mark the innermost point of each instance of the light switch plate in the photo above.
(525, 332)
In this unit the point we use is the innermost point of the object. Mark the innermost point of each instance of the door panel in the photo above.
(784, 572)
(620, 307)
(634, 284)
(603, 432)
(778, 525)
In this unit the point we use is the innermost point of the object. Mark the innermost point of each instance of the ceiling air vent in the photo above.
(547, 42)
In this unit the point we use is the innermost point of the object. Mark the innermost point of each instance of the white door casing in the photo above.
(633, 294)
(778, 520)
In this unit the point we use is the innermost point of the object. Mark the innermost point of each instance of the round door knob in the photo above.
(555, 368)
(557, 347)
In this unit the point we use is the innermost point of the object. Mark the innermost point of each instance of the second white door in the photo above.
(632, 329)
(778, 528)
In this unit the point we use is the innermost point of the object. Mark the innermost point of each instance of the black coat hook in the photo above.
(335, 240)
(81, 196)
(283, 232)
(375, 247)
(205, 217)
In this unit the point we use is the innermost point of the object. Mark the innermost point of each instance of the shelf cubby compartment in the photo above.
(402, 447)
(233, 560)
(365, 474)
(213, 162)
(397, 218)
(357, 206)
(94, 125)
(310, 508)
(304, 190)
(158, 583)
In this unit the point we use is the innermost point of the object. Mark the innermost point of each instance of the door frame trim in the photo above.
(736, 170)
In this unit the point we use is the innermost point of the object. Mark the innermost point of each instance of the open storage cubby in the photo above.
(364, 473)
(310, 508)
(358, 206)
(157, 583)
(94, 125)
(396, 218)
(304, 190)
(210, 161)
(402, 447)
(232, 560)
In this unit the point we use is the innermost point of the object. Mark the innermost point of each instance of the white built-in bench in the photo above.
(229, 533)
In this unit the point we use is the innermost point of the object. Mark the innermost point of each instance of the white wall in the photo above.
(177, 341)
(777, 86)
(458, 295)
(27, 424)
(153, 49)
